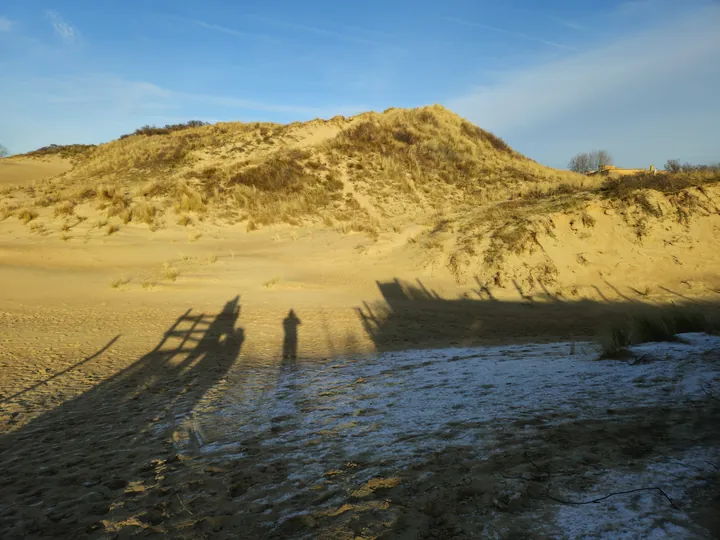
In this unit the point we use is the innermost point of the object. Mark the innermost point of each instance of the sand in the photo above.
(99, 347)
(24, 171)
(122, 350)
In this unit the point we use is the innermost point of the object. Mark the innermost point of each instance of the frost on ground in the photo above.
(460, 443)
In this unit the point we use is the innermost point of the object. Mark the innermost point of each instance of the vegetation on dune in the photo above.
(669, 182)
(436, 148)
(67, 151)
(169, 128)
(648, 196)
(657, 325)
(480, 201)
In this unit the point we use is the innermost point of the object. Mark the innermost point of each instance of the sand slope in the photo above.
(24, 171)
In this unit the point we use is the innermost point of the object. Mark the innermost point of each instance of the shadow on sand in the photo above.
(290, 337)
(411, 316)
(87, 460)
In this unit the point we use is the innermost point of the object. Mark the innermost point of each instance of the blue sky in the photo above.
(640, 78)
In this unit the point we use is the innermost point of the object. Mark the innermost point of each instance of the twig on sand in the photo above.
(578, 503)
(183, 505)
(708, 393)
(557, 499)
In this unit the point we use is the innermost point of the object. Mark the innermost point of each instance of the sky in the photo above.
(638, 78)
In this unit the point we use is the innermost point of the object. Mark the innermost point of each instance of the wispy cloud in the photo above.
(76, 102)
(340, 36)
(63, 29)
(510, 33)
(664, 72)
(529, 95)
(5, 24)
(634, 7)
(110, 91)
(548, 16)
(572, 25)
(241, 104)
(229, 31)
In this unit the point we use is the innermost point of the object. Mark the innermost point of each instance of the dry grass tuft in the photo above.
(27, 215)
(38, 228)
(6, 211)
(189, 200)
(119, 282)
(184, 220)
(66, 208)
(144, 212)
(151, 188)
(112, 229)
(659, 324)
(148, 284)
(170, 272)
(587, 220)
(119, 204)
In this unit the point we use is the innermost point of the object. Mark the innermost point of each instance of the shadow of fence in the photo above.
(69, 469)
(411, 316)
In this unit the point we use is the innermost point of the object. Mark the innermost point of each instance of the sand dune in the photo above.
(404, 230)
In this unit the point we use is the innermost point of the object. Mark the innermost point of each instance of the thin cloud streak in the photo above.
(250, 105)
(572, 25)
(317, 31)
(648, 96)
(109, 91)
(63, 29)
(75, 103)
(230, 31)
(510, 33)
(568, 23)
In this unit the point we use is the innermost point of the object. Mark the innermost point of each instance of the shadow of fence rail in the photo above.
(412, 316)
(85, 461)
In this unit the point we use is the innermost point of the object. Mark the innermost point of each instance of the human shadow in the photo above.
(96, 460)
(410, 316)
(290, 337)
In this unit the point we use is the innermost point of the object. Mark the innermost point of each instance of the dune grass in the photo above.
(373, 173)
(656, 325)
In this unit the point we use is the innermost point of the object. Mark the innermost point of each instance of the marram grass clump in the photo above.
(662, 324)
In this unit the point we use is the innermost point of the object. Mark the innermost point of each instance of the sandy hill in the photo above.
(165, 294)
(449, 192)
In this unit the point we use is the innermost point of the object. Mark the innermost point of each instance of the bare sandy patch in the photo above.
(24, 171)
